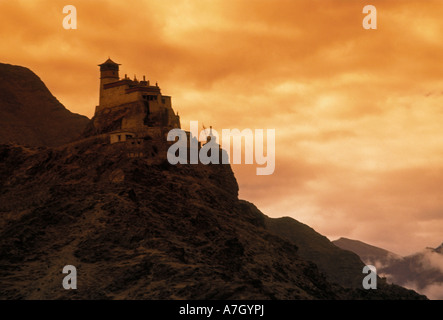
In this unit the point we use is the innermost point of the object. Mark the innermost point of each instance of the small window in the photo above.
(119, 137)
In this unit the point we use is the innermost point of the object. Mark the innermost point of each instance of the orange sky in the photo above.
(357, 113)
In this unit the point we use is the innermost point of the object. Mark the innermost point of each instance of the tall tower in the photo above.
(108, 74)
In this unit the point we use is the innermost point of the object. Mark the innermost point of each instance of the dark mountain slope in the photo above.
(31, 115)
(341, 266)
(368, 253)
(142, 229)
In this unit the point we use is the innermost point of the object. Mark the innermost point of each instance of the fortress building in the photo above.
(135, 117)
(131, 109)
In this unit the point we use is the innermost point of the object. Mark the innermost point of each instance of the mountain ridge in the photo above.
(31, 115)
(368, 253)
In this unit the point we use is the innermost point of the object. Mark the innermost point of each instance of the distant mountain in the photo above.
(421, 271)
(369, 254)
(30, 114)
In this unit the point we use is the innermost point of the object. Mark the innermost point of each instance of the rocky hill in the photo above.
(31, 115)
(138, 229)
